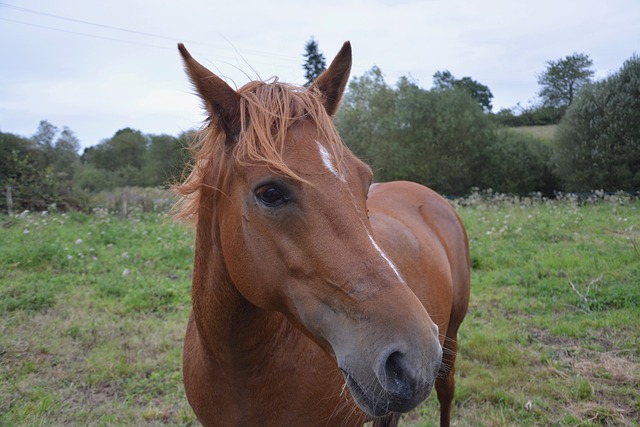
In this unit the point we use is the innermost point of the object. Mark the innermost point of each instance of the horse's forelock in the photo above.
(268, 110)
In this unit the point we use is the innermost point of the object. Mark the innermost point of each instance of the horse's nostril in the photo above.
(395, 379)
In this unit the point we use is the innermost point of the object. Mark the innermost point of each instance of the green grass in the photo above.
(546, 132)
(552, 333)
(93, 311)
(92, 316)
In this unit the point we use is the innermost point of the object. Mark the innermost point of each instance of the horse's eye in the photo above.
(270, 196)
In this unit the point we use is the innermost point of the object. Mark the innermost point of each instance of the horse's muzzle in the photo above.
(399, 382)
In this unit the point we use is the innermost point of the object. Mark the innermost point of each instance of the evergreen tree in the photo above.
(315, 62)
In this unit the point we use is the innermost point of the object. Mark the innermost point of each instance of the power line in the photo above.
(126, 30)
(77, 33)
(94, 24)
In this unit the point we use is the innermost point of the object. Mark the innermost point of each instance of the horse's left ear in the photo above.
(332, 82)
(221, 101)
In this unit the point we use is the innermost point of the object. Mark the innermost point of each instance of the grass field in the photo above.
(545, 132)
(93, 309)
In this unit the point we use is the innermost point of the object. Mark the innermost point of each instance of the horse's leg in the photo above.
(390, 420)
(445, 385)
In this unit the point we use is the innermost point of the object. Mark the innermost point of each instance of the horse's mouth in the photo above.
(376, 401)
(376, 405)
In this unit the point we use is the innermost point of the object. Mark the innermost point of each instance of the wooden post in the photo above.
(7, 189)
(123, 206)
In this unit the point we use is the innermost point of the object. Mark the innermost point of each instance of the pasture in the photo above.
(93, 310)
(545, 132)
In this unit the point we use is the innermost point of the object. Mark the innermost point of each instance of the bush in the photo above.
(438, 138)
(519, 163)
(598, 141)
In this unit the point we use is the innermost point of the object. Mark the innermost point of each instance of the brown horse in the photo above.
(319, 299)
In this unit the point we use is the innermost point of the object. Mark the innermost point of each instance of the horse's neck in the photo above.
(232, 331)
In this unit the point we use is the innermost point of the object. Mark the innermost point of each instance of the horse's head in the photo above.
(289, 216)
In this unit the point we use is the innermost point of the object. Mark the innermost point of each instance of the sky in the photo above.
(97, 67)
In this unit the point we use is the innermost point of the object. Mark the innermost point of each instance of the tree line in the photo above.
(46, 169)
(448, 138)
(440, 137)
(445, 137)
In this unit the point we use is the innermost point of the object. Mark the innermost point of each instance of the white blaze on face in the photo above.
(385, 257)
(327, 161)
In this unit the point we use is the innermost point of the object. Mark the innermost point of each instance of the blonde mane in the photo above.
(267, 111)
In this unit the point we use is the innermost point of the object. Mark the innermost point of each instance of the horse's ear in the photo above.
(332, 82)
(221, 101)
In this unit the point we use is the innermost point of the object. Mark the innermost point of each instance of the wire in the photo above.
(127, 30)
(77, 33)
(94, 24)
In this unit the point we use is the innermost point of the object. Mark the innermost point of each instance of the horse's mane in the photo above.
(267, 110)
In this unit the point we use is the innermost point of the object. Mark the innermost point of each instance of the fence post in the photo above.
(7, 189)
(123, 206)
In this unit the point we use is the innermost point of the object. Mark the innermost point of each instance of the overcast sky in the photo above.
(97, 67)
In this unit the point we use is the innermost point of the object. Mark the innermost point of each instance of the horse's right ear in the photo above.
(221, 101)
(332, 82)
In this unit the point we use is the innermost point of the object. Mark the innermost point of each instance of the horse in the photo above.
(319, 298)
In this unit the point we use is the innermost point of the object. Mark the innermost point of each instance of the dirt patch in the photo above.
(619, 369)
(612, 376)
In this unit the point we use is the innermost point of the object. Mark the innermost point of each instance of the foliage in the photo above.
(440, 138)
(93, 310)
(366, 120)
(166, 158)
(131, 158)
(122, 156)
(315, 62)
(534, 115)
(520, 163)
(560, 83)
(478, 91)
(46, 171)
(39, 171)
(598, 141)
(563, 78)
(446, 138)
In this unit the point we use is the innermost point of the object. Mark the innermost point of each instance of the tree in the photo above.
(38, 172)
(119, 160)
(45, 134)
(563, 78)
(366, 121)
(598, 140)
(445, 80)
(166, 158)
(438, 138)
(519, 163)
(64, 155)
(315, 62)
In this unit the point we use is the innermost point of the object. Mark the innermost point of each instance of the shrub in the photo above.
(519, 163)
(598, 141)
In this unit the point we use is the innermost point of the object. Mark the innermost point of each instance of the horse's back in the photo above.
(422, 234)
